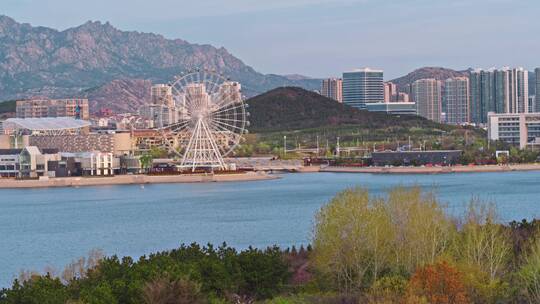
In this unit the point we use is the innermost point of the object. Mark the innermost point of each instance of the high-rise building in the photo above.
(390, 92)
(456, 97)
(427, 95)
(537, 91)
(498, 90)
(363, 86)
(402, 97)
(332, 88)
(230, 91)
(76, 108)
(161, 94)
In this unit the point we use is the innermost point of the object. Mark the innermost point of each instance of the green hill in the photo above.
(292, 108)
(307, 119)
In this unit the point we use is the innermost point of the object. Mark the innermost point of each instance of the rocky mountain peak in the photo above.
(66, 63)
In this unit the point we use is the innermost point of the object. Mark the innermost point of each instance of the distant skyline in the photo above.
(322, 38)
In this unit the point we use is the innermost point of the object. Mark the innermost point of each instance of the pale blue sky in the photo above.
(322, 37)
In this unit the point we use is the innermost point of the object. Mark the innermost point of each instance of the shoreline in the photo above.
(133, 180)
(434, 170)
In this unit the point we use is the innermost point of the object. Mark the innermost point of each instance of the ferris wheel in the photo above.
(206, 120)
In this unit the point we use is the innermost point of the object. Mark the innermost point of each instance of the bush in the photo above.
(439, 283)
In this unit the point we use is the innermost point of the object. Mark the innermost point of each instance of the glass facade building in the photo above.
(499, 91)
(363, 86)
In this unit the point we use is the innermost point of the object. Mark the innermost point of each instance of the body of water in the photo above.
(51, 227)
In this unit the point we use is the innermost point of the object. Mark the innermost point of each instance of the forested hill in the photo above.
(292, 108)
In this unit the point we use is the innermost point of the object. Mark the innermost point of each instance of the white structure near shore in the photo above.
(520, 129)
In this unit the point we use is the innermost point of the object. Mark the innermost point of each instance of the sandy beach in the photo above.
(434, 170)
(133, 180)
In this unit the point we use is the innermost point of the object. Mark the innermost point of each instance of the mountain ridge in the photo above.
(36, 60)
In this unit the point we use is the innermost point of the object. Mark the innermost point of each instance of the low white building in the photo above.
(96, 163)
(520, 129)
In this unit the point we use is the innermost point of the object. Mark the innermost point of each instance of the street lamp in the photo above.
(284, 145)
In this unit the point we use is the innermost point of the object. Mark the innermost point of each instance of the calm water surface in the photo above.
(51, 227)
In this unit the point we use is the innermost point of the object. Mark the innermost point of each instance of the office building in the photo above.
(332, 88)
(503, 90)
(426, 93)
(390, 92)
(519, 129)
(363, 86)
(38, 108)
(456, 97)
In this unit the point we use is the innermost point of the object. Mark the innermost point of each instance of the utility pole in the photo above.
(284, 145)
(318, 145)
(410, 143)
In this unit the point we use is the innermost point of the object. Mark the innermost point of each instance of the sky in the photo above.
(322, 38)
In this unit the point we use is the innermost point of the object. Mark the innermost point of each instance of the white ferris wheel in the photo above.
(208, 120)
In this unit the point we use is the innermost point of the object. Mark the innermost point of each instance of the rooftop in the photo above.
(46, 124)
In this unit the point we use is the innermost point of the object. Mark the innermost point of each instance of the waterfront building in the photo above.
(395, 108)
(426, 93)
(390, 92)
(363, 86)
(95, 163)
(38, 108)
(519, 129)
(332, 88)
(64, 134)
(537, 90)
(503, 90)
(456, 97)
(45, 126)
(9, 162)
(33, 162)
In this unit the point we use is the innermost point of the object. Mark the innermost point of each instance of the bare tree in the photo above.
(165, 290)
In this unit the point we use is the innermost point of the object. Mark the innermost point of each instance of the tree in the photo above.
(264, 273)
(438, 283)
(357, 237)
(37, 290)
(165, 290)
(352, 239)
(484, 243)
(146, 161)
(529, 273)
(422, 230)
